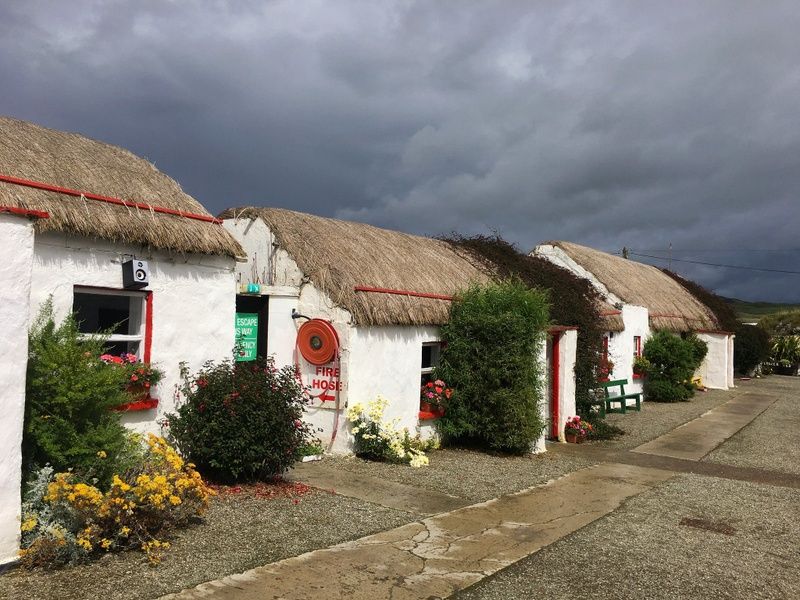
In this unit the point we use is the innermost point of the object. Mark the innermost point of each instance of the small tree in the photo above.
(673, 361)
(241, 420)
(491, 360)
(750, 348)
(70, 394)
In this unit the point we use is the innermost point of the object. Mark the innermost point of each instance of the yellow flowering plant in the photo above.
(65, 520)
(378, 438)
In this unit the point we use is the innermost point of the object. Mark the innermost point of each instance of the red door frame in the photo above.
(555, 384)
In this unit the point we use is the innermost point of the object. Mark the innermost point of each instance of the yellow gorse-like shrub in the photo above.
(138, 509)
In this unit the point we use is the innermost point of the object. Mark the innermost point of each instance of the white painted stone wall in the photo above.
(568, 346)
(193, 303)
(730, 380)
(715, 367)
(16, 242)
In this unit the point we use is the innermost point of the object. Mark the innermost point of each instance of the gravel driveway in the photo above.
(740, 542)
(239, 533)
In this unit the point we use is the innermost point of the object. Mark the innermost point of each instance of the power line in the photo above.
(700, 262)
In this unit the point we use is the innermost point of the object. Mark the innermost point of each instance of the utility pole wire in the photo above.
(700, 262)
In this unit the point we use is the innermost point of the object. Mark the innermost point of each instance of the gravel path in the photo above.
(643, 551)
(239, 533)
(474, 476)
(658, 418)
(772, 440)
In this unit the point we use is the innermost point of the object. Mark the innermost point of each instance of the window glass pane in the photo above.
(96, 312)
(427, 357)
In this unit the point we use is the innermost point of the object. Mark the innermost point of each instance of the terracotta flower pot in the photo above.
(425, 407)
(574, 438)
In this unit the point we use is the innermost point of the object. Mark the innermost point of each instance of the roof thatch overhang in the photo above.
(56, 159)
(366, 269)
(670, 305)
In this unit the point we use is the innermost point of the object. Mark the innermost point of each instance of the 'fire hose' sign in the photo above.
(246, 336)
(325, 382)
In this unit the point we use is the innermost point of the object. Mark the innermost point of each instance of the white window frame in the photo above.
(435, 355)
(137, 314)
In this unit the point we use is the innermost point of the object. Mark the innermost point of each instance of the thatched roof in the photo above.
(610, 317)
(68, 160)
(338, 256)
(670, 305)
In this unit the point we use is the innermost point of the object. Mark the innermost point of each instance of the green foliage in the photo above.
(786, 350)
(573, 302)
(750, 348)
(241, 421)
(783, 323)
(70, 395)
(491, 361)
(673, 361)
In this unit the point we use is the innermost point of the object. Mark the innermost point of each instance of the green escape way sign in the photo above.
(246, 336)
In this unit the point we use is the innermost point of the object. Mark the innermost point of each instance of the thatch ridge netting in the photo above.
(339, 255)
(670, 305)
(69, 160)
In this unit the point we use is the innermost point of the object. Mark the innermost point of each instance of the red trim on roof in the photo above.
(364, 288)
(609, 313)
(561, 328)
(109, 199)
(25, 212)
(714, 331)
(670, 316)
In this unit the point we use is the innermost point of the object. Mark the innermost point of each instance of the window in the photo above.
(430, 358)
(120, 313)
(637, 346)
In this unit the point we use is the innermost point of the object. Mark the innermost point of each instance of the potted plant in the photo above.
(640, 366)
(605, 368)
(141, 376)
(576, 430)
(786, 354)
(433, 396)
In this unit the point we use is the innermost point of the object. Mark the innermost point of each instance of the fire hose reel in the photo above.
(317, 341)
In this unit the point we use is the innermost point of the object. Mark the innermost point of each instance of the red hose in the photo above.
(337, 360)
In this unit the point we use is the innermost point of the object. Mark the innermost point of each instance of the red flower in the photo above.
(448, 393)
(202, 382)
(429, 384)
(439, 390)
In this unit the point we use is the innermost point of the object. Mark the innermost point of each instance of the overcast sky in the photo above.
(605, 123)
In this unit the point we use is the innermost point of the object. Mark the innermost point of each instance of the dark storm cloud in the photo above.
(610, 124)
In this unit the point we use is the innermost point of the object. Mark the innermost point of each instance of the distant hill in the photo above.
(748, 312)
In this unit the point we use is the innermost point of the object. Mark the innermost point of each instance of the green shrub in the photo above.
(241, 421)
(491, 360)
(70, 394)
(782, 323)
(673, 361)
(750, 348)
(573, 301)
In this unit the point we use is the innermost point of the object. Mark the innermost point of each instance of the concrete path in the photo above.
(439, 555)
(378, 491)
(458, 546)
(695, 439)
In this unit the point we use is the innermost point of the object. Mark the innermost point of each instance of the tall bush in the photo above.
(240, 420)
(573, 301)
(673, 361)
(750, 348)
(491, 360)
(70, 394)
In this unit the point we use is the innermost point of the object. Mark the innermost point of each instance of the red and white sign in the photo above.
(324, 381)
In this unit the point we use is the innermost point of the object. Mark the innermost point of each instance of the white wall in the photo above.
(194, 303)
(16, 242)
(715, 367)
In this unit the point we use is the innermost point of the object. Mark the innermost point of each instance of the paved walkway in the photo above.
(447, 552)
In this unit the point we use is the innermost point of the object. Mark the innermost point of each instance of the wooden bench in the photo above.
(621, 398)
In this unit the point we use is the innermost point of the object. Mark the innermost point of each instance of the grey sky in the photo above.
(606, 123)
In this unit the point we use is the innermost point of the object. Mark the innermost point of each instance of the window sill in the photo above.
(427, 416)
(143, 404)
(638, 376)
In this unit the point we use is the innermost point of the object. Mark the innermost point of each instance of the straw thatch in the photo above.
(670, 305)
(610, 317)
(339, 255)
(28, 151)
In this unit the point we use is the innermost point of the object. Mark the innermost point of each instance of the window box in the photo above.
(145, 403)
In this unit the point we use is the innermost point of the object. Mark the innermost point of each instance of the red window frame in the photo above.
(637, 351)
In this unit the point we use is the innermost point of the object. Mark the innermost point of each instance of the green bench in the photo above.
(621, 398)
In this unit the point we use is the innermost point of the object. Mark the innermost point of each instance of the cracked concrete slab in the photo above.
(441, 554)
(378, 491)
(695, 439)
